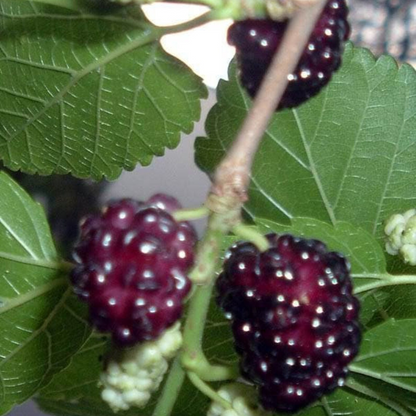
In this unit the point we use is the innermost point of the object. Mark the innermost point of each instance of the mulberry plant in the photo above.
(296, 296)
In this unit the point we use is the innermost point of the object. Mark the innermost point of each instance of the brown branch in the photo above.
(232, 176)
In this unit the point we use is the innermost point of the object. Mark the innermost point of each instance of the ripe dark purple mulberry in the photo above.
(132, 263)
(256, 41)
(294, 318)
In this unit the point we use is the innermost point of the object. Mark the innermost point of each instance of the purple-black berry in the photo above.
(256, 41)
(131, 268)
(294, 318)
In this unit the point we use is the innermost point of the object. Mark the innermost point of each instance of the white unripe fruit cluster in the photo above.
(400, 230)
(130, 379)
(243, 401)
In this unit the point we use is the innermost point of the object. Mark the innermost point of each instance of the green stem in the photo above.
(209, 372)
(191, 24)
(208, 253)
(191, 214)
(251, 234)
(224, 216)
(387, 281)
(193, 357)
(171, 390)
(194, 326)
(208, 391)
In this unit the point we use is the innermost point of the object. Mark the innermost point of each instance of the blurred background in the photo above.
(384, 26)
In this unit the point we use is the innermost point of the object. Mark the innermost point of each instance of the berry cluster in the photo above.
(256, 42)
(294, 318)
(131, 378)
(132, 263)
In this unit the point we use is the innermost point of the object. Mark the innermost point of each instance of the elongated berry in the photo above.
(132, 263)
(256, 42)
(294, 318)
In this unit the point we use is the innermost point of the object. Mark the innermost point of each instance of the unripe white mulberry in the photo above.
(131, 378)
(243, 401)
(400, 230)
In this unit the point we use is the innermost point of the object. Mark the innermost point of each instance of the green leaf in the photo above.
(346, 402)
(402, 302)
(394, 398)
(81, 407)
(387, 362)
(87, 94)
(388, 354)
(41, 324)
(346, 155)
(80, 378)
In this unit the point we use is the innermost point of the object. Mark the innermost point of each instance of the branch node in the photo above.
(223, 199)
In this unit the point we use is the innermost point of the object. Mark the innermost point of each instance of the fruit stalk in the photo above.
(193, 359)
(224, 216)
(191, 214)
(246, 232)
(208, 391)
(171, 390)
(389, 280)
(233, 173)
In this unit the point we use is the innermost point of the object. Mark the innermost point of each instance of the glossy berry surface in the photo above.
(132, 263)
(256, 41)
(294, 318)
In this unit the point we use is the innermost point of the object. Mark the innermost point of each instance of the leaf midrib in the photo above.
(379, 376)
(11, 303)
(314, 172)
(30, 261)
